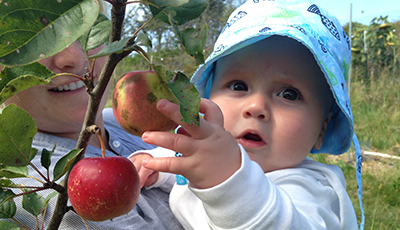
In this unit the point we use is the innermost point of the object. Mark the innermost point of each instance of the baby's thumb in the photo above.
(147, 176)
(151, 180)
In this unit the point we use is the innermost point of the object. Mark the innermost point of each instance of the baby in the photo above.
(276, 88)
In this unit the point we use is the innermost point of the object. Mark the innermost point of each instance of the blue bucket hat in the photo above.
(317, 30)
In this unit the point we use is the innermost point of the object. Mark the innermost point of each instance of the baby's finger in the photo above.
(152, 179)
(212, 112)
(171, 110)
(165, 164)
(144, 174)
(183, 131)
(176, 142)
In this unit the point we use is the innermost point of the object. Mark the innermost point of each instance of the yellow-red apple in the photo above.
(134, 103)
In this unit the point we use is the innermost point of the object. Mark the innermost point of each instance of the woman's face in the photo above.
(60, 106)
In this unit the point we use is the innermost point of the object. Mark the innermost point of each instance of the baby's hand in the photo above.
(147, 176)
(210, 154)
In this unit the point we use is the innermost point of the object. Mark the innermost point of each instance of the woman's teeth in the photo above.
(70, 86)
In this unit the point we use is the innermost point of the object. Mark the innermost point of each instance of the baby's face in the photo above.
(275, 101)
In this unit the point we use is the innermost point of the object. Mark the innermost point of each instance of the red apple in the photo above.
(134, 103)
(103, 188)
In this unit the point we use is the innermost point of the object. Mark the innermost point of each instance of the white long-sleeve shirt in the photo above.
(310, 196)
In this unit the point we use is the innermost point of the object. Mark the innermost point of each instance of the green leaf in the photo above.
(64, 163)
(33, 203)
(17, 130)
(17, 79)
(7, 205)
(193, 42)
(8, 225)
(50, 196)
(33, 30)
(184, 91)
(45, 157)
(143, 40)
(97, 35)
(114, 47)
(5, 183)
(180, 13)
(13, 172)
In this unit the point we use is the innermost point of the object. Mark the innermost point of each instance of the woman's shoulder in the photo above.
(121, 141)
(47, 141)
(108, 116)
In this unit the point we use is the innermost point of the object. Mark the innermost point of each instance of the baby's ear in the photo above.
(324, 129)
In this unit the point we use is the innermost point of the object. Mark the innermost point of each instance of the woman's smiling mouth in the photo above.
(68, 87)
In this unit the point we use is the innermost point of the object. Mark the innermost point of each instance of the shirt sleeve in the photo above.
(298, 198)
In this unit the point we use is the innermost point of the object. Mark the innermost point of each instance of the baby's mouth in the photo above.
(68, 87)
(251, 140)
(252, 137)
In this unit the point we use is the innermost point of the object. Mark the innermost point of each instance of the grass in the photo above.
(381, 189)
(376, 111)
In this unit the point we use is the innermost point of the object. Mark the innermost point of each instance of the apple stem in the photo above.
(143, 53)
(103, 149)
(84, 222)
(95, 129)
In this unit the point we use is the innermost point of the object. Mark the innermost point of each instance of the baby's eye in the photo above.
(289, 94)
(238, 86)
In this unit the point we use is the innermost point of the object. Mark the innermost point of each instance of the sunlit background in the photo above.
(363, 11)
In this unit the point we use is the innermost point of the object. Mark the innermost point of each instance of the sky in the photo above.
(363, 11)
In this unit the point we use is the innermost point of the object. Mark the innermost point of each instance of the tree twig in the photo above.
(117, 18)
